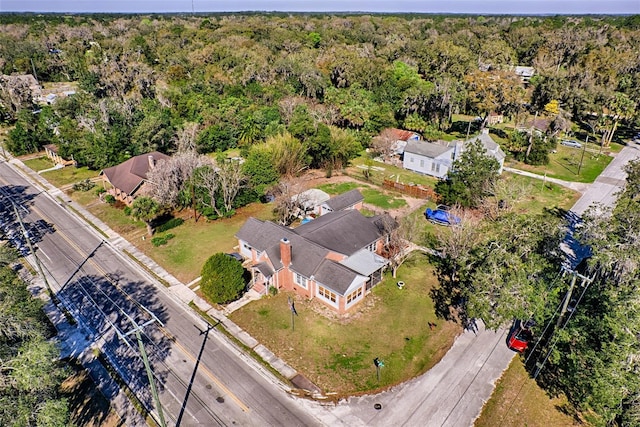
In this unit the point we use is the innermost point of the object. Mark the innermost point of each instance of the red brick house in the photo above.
(335, 258)
(128, 180)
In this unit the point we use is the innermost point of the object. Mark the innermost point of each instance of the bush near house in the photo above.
(223, 278)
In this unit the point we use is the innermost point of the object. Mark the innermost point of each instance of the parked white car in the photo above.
(571, 143)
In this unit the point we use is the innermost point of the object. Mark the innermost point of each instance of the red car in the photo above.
(519, 338)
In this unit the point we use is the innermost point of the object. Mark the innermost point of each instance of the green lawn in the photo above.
(565, 164)
(60, 177)
(341, 187)
(387, 171)
(336, 354)
(537, 194)
(518, 401)
(371, 195)
(185, 254)
(38, 164)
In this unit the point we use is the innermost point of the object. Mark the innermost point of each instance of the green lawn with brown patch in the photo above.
(337, 354)
(372, 195)
(518, 401)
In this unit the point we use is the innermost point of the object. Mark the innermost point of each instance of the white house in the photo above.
(430, 158)
(436, 158)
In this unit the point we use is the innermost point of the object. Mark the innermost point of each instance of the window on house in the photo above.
(421, 163)
(438, 167)
(411, 159)
(300, 280)
(354, 296)
(327, 294)
(435, 167)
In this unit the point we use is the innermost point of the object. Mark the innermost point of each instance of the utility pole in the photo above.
(567, 298)
(145, 361)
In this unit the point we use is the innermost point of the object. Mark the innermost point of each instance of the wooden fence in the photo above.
(411, 190)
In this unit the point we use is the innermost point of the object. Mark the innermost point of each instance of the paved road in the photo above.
(98, 283)
(450, 394)
(611, 180)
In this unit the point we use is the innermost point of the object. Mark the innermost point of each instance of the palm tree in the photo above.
(145, 209)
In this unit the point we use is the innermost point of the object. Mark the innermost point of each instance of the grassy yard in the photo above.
(537, 194)
(185, 254)
(518, 401)
(60, 177)
(371, 195)
(565, 164)
(387, 171)
(337, 355)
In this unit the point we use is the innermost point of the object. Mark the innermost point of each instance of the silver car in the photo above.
(571, 143)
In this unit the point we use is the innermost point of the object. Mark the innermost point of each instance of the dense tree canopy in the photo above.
(244, 78)
(30, 369)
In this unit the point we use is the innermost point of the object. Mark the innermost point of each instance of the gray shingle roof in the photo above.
(345, 200)
(493, 149)
(129, 175)
(345, 232)
(336, 277)
(427, 149)
(266, 236)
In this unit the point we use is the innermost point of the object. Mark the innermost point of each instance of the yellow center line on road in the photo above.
(213, 378)
(100, 270)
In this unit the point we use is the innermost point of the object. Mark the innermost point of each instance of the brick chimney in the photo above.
(152, 161)
(285, 252)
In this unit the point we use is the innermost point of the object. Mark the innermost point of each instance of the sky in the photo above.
(482, 7)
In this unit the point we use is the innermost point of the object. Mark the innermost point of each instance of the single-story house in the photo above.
(128, 180)
(51, 150)
(493, 149)
(335, 258)
(352, 199)
(436, 158)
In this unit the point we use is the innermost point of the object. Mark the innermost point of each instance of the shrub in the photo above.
(109, 199)
(162, 240)
(127, 210)
(168, 225)
(100, 190)
(84, 185)
(222, 278)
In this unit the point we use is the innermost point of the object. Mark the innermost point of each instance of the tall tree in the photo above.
(471, 177)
